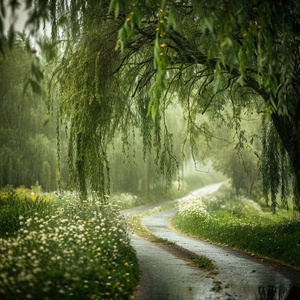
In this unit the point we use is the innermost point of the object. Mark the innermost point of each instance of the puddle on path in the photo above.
(168, 277)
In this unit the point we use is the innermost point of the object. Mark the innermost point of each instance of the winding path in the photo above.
(165, 276)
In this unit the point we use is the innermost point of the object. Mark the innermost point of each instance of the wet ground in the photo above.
(239, 276)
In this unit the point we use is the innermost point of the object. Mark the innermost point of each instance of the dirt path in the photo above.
(166, 276)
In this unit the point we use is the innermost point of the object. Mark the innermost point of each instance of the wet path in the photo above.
(167, 277)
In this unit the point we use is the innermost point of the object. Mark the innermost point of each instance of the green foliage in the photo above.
(133, 168)
(202, 55)
(239, 222)
(276, 176)
(125, 200)
(231, 26)
(74, 252)
(203, 263)
(226, 52)
(235, 150)
(227, 200)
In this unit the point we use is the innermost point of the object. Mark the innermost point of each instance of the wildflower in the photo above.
(36, 270)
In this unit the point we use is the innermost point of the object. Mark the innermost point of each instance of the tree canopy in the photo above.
(126, 62)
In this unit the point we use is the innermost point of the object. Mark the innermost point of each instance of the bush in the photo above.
(226, 200)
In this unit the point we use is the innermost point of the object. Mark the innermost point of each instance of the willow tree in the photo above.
(95, 94)
(130, 59)
(211, 53)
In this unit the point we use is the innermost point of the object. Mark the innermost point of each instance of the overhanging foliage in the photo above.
(206, 54)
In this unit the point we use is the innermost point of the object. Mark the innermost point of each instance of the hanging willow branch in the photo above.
(274, 167)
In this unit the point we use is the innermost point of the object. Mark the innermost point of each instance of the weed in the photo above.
(217, 286)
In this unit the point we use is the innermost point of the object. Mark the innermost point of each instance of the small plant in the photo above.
(217, 286)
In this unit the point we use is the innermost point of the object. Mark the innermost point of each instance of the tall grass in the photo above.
(75, 252)
(241, 223)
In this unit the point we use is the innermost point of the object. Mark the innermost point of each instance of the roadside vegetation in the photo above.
(55, 247)
(239, 222)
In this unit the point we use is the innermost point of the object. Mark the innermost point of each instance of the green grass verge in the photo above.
(242, 226)
(202, 262)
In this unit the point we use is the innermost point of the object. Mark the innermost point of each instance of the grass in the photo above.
(58, 248)
(240, 223)
(203, 262)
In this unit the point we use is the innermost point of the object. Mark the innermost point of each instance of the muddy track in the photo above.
(167, 271)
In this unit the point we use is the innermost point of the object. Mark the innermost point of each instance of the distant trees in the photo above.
(134, 168)
(237, 155)
(27, 141)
